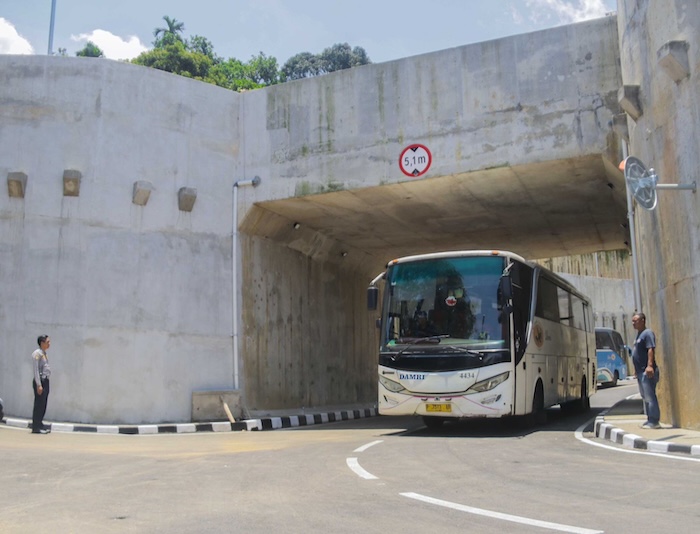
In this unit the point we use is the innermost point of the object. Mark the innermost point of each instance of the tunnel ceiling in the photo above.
(550, 209)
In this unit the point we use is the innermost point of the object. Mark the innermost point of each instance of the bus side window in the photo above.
(578, 313)
(564, 299)
(547, 301)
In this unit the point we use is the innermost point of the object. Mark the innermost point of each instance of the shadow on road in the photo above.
(557, 421)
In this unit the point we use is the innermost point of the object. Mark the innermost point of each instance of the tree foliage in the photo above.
(232, 74)
(303, 65)
(169, 35)
(203, 46)
(195, 58)
(340, 56)
(176, 58)
(89, 50)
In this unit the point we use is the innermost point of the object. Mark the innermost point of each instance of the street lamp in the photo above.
(53, 19)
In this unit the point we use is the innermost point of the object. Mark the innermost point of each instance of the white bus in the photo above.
(481, 334)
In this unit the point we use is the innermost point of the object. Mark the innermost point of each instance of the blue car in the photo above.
(612, 354)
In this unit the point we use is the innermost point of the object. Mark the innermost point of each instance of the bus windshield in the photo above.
(444, 305)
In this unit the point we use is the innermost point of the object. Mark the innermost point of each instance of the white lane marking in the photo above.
(357, 469)
(499, 515)
(579, 436)
(368, 445)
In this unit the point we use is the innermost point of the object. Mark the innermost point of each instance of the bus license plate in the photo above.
(440, 408)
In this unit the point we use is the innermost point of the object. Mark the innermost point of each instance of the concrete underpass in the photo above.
(138, 297)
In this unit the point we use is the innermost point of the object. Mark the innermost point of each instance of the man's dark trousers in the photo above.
(40, 402)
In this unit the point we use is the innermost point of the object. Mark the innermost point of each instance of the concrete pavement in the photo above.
(619, 424)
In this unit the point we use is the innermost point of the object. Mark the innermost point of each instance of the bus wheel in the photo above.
(584, 403)
(432, 422)
(539, 415)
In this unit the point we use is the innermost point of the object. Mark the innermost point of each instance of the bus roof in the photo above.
(458, 254)
(502, 253)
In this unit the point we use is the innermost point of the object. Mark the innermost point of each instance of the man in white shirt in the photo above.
(40, 385)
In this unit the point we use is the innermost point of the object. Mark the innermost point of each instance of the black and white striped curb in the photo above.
(265, 423)
(609, 432)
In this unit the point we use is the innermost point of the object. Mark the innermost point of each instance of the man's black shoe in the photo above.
(41, 431)
(46, 427)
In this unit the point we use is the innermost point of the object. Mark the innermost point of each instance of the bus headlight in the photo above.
(488, 384)
(392, 386)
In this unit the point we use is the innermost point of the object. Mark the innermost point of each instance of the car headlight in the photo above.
(488, 384)
(392, 386)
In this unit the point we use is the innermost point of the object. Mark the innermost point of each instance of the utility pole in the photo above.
(53, 18)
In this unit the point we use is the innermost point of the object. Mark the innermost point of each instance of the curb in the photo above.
(266, 423)
(609, 432)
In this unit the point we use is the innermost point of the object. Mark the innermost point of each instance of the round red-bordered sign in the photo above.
(415, 160)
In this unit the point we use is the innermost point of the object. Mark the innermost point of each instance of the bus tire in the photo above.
(580, 405)
(539, 415)
(584, 403)
(433, 422)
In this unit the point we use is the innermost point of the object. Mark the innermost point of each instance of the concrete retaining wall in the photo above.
(135, 298)
(665, 137)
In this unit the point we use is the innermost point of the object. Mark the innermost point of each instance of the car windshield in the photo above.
(440, 305)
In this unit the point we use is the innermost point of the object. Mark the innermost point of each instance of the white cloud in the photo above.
(12, 42)
(567, 11)
(113, 46)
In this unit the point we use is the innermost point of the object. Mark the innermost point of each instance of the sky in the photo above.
(386, 29)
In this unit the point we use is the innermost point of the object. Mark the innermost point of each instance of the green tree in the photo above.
(203, 46)
(89, 50)
(302, 65)
(233, 74)
(167, 36)
(263, 69)
(337, 57)
(177, 59)
(195, 58)
(341, 56)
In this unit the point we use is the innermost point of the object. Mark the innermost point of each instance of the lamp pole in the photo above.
(234, 273)
(53, 19)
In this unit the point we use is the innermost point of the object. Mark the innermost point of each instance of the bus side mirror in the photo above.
(372, 297)
(505, 294)
(506, 289)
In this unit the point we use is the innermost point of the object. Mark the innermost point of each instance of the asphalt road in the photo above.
(380, 474)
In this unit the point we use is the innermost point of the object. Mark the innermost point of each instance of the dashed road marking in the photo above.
(368, 445)
(354, 465)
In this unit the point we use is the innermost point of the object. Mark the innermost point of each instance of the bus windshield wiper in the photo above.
(471, 352)
(426, 339)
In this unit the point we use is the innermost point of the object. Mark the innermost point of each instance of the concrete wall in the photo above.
(665, 137)
(613, 302)
(605, 264)
(138, 299)
(135, 298)
(308, 337)
(526, 99)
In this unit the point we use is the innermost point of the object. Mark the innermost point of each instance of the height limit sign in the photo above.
(415, 160)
